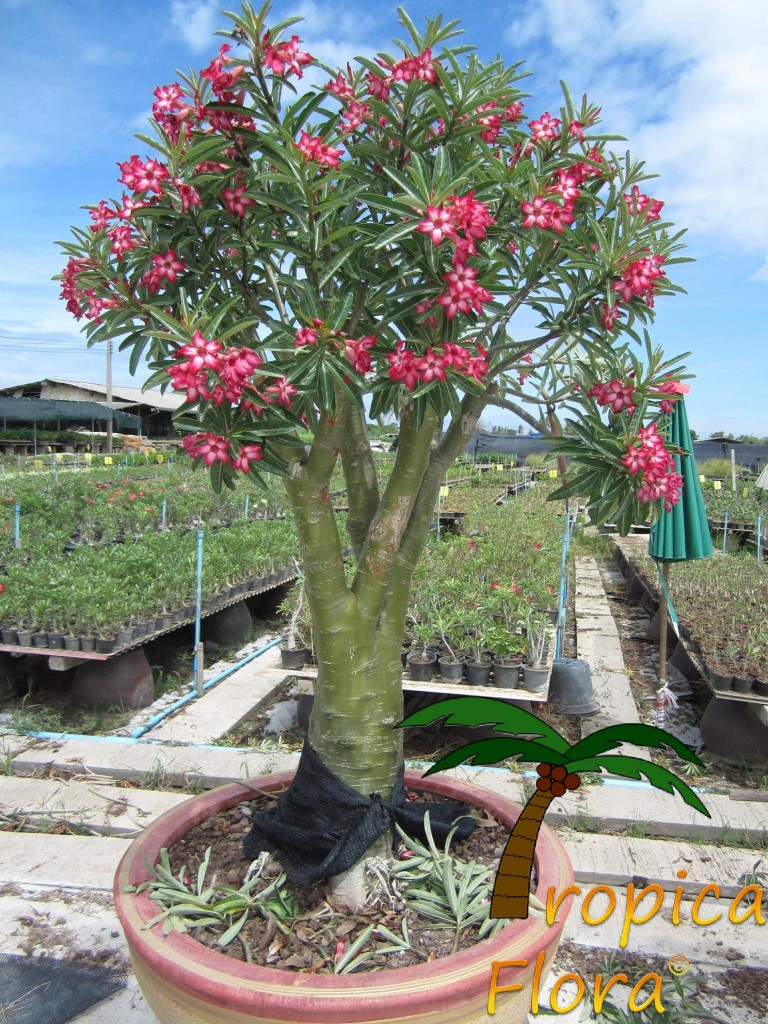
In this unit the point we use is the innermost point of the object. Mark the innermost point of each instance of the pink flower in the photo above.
(358, 353)
(314, 149)
(188, 195)
(285, 58)
(305, 336)
(639, 279)
(610, 315)
(166, 266)
(421, 67)
(201, 353)
(340, 87)
(639, 203)
(378, 87)
(546, 127)
(248, 453)
(538, 213)
(101, 215)
(221, 81)
(402, 366)
(431, 366)
(280, 392)
(236, 200)
(438, 224)
(143, 177)
(123, 240)
(212, 448)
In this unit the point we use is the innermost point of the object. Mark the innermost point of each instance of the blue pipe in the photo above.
(156, 719)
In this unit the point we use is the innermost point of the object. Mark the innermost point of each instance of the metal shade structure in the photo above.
(680, 534)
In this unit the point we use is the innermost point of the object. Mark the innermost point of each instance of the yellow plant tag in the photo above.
(553, 474)
(702, 478)
(717, 484)
(88, 456)
(499, 467)
(161, 458)
(444, 492)
(38, 463)
(744, 492)
(107, 460)
(59, 456)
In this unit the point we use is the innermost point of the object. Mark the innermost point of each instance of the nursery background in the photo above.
(685, 81)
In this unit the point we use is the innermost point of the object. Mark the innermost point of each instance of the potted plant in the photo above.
(537, 630)
(294, 651)
(478, 659)
(285, 260)
(446, 626)
(507, 646)
(420, 660)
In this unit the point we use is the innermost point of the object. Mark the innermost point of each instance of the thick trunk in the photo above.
(511, 888)
(358, 703)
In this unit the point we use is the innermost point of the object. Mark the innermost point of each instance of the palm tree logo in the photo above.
(560, 766)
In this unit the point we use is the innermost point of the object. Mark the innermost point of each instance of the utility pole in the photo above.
(109, 396)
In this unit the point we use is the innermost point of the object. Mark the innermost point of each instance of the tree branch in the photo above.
(360, 476)
(395, 512)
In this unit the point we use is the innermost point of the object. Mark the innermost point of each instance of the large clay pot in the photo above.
(184, 982)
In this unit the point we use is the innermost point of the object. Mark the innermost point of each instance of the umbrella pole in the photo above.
(664, 612)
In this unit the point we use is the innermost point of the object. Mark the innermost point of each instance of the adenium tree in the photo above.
(292, 257)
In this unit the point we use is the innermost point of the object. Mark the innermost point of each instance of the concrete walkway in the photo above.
(55, 889)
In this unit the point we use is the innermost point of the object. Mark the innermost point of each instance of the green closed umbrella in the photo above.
(680, 534)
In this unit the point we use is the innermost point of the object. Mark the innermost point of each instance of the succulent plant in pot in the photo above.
(537, 630)
(342, 272)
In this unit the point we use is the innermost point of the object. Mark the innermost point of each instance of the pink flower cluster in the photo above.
(143, 177)
(83, 302)
(412, 370)
(313, 148)
(649, 460)
(615, 395)
(213, 448)
(285, 59)
(356, 351)
(355, 113)
(639, 279)
(421, 67)
(233, 367)
(637, 203)
(555, 209)
(463, 221)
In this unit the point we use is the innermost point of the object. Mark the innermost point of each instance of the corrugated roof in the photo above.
(133, 396)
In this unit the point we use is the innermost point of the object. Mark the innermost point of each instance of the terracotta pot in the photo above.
(184, 982)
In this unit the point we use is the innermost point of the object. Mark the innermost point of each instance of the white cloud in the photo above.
(762, 273)
(196, 22)
(686, 83)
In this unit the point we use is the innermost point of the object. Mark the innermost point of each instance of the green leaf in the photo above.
(494, 751)
(635, 768)
(488, 711)
(635, 733)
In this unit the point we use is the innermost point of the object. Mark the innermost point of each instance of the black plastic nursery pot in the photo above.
(421, 667)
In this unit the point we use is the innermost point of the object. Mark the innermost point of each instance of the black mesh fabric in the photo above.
(42, 990)
(320, 826)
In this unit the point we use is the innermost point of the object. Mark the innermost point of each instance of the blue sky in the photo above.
(685, 81)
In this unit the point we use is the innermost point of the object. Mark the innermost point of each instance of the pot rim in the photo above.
(272, 993)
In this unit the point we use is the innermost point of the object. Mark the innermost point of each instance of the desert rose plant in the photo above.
(294, 258)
